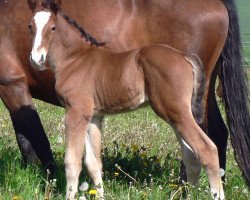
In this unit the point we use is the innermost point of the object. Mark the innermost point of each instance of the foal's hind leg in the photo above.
(169, 81)
(190, 161)
(204, 149)
(93, 153)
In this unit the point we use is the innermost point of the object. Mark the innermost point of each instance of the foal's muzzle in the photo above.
(38, 62)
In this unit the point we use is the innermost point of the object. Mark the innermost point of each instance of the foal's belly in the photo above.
(123, 105)
(121, 100)
(121, 92)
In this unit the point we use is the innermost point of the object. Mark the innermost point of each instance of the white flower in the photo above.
(84, 187)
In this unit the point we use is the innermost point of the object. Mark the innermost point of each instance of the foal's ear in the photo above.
(35, 4)
(53, 5)
(56, 6)
(32, 4)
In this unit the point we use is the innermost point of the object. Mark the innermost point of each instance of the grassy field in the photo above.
(244, 13)
(139, 142)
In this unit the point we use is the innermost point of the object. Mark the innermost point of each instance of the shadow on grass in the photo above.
(119, 163)
(128, 164)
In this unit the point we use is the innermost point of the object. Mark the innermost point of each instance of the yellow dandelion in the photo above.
(92, 192)
(134, 147)
(173, 185)
(124, 145)
(143, 155)
(16, 198)
(116, 174)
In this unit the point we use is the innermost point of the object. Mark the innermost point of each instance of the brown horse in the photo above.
(92, 82)
(197, 27)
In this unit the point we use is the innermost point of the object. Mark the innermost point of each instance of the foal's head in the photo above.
(42, 27)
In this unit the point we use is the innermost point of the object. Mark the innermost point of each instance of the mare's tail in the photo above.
(235, 93)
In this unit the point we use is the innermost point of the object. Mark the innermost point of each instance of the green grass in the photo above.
(244, 14)
(139, 142)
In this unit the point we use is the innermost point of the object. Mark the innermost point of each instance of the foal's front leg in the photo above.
(76, 124)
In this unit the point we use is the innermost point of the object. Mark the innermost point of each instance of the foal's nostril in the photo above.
(41, 60)
(31, 59)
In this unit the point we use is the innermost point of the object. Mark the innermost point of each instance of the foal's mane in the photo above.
(55, 7)
(83, 33)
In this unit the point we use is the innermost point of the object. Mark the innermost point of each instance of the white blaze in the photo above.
(41, 19)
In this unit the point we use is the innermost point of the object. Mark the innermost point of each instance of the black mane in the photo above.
(87, 36)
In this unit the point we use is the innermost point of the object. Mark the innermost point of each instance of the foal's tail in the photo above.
(198, 88)
(235, 92)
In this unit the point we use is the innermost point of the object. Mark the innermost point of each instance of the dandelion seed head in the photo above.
(245, 191)
(84, 186)
(82, 198)
(222, 172)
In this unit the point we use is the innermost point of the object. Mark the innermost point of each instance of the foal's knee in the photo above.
(72, 167)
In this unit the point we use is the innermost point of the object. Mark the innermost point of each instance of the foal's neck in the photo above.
(67, 44)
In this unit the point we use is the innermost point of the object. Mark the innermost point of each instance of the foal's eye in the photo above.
(53, 28)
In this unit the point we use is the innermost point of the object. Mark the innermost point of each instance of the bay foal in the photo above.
(92, 82)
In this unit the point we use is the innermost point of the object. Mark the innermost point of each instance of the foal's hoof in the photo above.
(216, 196)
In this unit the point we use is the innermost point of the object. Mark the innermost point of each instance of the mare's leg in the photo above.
(217, 129)
(76, 125)
(93, 153)
(30, 134)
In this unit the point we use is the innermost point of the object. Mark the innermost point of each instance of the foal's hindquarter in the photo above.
(96, 82)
